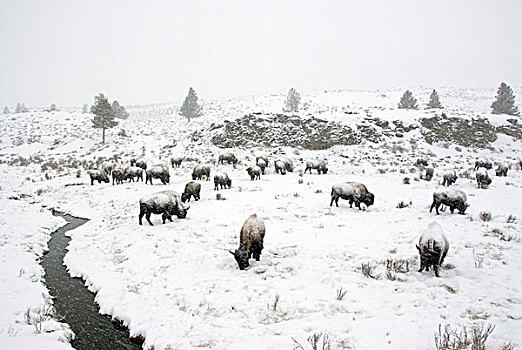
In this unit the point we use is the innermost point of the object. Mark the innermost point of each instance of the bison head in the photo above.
(461, 207)
(241, 257)
(368, 199)
(181, 212)
(184, 197)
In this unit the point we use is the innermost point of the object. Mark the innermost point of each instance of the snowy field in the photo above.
(177, 284)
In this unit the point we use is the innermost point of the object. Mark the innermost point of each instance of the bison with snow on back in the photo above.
(176, 161)
(482, 177)
(433, 247)
(133, 172)
(118, 175)
(483, 163)
(192, 189)
(140, 163)
(221, 180)
(250, 241)
(229, 157)
(319, 165)
(502, 169)
(264, 157)
(108, 167)
(199, 171)
(280, 167)
(449, 178)
(262, 164)
(354, 192)
(254, 172)
(454, 199)
(158, 171)
(289, 163)
(98, 175)
(166, 203)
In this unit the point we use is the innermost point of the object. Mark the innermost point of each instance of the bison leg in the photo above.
(436, 269)
(92, 181)
(333, 199)
(452, 209)
(142, 212)
(147, 216)
(166, 216)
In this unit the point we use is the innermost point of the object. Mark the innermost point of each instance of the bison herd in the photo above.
(433, 244)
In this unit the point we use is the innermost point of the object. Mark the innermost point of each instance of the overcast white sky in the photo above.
(139, 52)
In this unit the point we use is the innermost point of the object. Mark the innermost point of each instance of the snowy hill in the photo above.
(177, 285)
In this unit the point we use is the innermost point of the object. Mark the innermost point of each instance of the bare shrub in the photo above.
(273, 307)
(501, 235)
(341, 293)
(511, 219)
(478, 260)
(508, 346)
(455, 339)
(300, 181)
(397, 265)
(367, 271)
(406, 181)
(318, 341)
(219, 197)
(485, 216)
(401, 205)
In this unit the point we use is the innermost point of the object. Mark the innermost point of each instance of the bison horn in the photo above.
(231, 252)
(418, 248)
(187, 207)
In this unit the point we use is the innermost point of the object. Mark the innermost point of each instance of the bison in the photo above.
(118, 175)
(166, 203)
(140, 163)
(107, 167)
(354, 192)
(134, 172)
(229, 157)
(221, 180)
(483, 163)
(421, 162)
(254, 172)
(320, 165)
(449, 178)
(262, 164)
(176, 161)
(280, 167)
(454, 199)
(192, 189)
(98, 175)
(289, 163)
(199, 171)
(483, 179)
(158, 171)
(264, 157)
(502, 169)
(250, 241)
(433, 247)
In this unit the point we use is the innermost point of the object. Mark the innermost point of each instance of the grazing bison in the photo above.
(98, 175)
(280, 167)
(483, 179)
(263, 157)
(221, 180)
(229, 157)
(454, 199)
(483, 163)
(133, 172)
(262, 164)
(201, 170)
(320, 165)
(158, 171)
(118, 175)
(289, 163)
(502, 169)
(354, 192)
(433, 247)
(107, 167)
(449, 178)
(166, 203)
(140, 163)
(250, 241)
(191, 189)
(428, 174)
(254, 172)
(176, 161)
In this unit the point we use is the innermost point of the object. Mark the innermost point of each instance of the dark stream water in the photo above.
(75, 304)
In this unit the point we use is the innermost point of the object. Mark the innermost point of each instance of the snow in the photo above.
(177, 285)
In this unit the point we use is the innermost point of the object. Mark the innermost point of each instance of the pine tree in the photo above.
(24, 108)
(434, 100)
(6, 110)
(85, 108)
(293, 99)
(53, 107)
(103, 114)
(18, 108)
(190, 108)
(505, 101)
(119, 111)
(408, 101)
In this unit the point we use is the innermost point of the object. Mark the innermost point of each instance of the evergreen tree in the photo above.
(24, 109)
(408, 101)
(119, 111)
(293, 99)
(434, 100)
(505, 101)
(53, 108)
(6, 110)
(190, 108)
(85, 108)
(18, 108)
(103, 114)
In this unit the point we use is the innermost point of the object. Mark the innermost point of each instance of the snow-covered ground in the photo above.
(177, 284)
